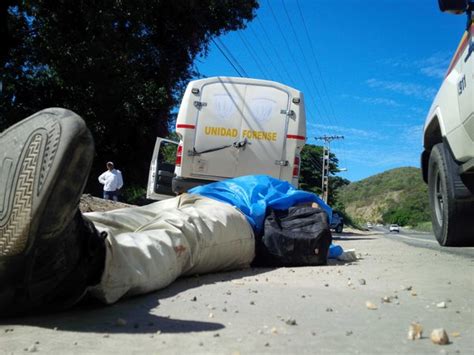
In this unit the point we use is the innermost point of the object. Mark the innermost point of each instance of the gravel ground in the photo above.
(361, 307)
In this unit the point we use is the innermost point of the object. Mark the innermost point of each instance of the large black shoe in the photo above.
(49, 253)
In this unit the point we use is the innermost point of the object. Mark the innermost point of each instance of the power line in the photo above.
(294, 61)
(304, 58)
(269, 59)
(317, 65)
(254, 57)
(227, 57)
(290, 79)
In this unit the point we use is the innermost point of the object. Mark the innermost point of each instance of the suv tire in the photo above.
(451, 216)
(339, 228)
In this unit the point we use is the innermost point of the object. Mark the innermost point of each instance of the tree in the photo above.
(121, 64)
(310, 172)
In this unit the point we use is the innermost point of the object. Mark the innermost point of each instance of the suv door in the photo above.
(162, 170)
(465, 90)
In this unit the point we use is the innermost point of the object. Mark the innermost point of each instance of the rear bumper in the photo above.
(181, 185)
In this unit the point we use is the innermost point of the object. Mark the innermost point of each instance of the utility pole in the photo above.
(325, 173)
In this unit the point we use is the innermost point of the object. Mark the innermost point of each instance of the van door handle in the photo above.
(241, 144)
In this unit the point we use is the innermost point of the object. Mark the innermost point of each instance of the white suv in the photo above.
(448, 138)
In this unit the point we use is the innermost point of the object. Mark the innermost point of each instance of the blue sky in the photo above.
(368, 69)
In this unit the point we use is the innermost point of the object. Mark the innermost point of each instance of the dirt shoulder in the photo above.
(90, 203)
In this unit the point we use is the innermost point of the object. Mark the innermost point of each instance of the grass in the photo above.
(423, 227)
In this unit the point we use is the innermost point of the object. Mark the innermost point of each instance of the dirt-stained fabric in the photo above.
(149, 247)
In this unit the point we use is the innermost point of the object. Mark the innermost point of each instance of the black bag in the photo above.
(295, 237)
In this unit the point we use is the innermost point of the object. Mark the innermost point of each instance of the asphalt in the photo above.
(305, 310)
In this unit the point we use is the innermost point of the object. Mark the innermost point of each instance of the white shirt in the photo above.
(112, 180)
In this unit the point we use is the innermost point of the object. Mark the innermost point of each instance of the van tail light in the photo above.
(296, 167)
(179, 155)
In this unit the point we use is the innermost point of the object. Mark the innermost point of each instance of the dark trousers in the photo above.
(111, 195)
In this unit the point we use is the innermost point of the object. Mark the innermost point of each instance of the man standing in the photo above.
(112, 181)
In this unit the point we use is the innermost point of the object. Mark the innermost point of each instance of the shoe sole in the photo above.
(34, 201)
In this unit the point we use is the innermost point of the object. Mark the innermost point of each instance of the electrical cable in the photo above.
(228, 59)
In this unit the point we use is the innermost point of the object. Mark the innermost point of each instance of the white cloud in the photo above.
(375, 100)
(409, 89)
(377, 156)
(434, 66)
(412, 135)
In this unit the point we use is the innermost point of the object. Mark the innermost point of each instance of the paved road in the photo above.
(306, 310)
(424, 240)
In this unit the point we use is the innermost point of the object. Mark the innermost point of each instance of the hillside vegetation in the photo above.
(395, 196)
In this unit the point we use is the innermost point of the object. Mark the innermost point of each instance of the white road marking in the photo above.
(419, 240)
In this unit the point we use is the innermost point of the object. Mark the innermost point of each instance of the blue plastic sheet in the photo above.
(253, 194)
(335, 251)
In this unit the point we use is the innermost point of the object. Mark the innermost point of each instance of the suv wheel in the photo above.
(451, 217)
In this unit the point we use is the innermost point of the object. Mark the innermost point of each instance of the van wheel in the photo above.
(451, 217)
(338, 228)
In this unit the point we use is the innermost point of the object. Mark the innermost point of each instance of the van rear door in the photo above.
(217, 129)
(264, 125)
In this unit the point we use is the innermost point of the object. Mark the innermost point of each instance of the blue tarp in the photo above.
(252, 195)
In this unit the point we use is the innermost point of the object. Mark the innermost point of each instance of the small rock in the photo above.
(201, 343)
(106, 336)
(291, 321)
(211, 315)
(274, 330)
(326, 285)
(260, 331)
(407, 288)
(228, 293)
(441, 305)
(32, 348)
(75, 343)
(362, 282)
(158, 332)
(329, 309)
(415, 331)
(267, 345)
(439, 336)
(370, 305)
(194, 299)
(252, 303)
(224, 309)
(386, 299)
(217, 335)
(121, 322)
(414, 294)
(349, 283)
(349, 332)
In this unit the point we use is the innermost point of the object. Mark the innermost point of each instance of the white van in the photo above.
(229, 127)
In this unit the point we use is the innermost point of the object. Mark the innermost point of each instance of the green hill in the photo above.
(395, 196)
